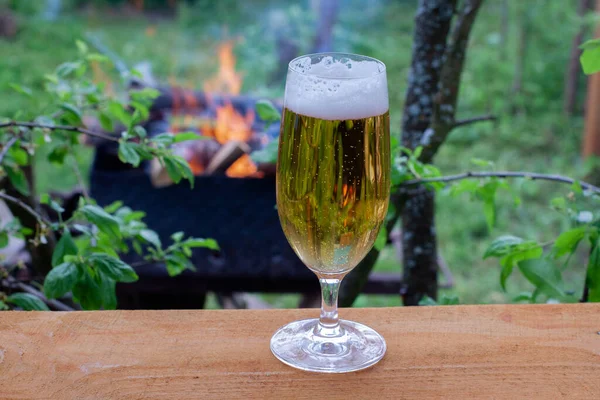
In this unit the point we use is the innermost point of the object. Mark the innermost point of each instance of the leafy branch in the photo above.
(503, 174)
(85, 258)
(66, 128)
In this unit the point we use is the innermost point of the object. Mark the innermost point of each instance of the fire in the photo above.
(227, 80)
(228, 123)
(231, 124)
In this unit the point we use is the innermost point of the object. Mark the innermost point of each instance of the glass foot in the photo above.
(349, 347)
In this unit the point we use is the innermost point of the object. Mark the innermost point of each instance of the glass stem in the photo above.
(329, 323)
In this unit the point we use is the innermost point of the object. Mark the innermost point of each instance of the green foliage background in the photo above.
(532, 133)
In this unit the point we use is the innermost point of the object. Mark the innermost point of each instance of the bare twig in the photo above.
(59, 128)
(55, 304)
(7, 147)
(25, 207)
(503, 174)
(469, 121)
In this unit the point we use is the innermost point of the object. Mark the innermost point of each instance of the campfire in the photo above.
(221, 114)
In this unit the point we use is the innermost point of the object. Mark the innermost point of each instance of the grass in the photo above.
(531, 134)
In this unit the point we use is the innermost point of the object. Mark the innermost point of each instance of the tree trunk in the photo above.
(432, 25)
(428, 118)
(573, 68)
(419, 247)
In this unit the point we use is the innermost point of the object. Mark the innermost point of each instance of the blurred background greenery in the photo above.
(516, 67)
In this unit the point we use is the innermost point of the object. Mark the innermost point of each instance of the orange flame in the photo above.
(229, 124)
(227, 79)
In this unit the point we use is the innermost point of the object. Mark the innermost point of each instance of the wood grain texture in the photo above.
(514, 351)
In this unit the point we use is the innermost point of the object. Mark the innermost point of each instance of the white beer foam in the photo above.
(335, 90)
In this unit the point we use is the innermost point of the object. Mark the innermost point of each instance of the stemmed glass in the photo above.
(333, 186)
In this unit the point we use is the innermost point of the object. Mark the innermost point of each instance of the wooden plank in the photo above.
(514, 351)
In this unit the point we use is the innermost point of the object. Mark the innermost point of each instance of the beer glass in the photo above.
(333, 186)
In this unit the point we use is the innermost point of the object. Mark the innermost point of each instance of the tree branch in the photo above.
(446, 99)
(7, 147)
(503, 174)
(25, 207)
(55, 304)
(59, 128)
(469, 121)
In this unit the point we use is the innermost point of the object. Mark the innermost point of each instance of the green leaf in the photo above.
(543, 275)
(184, 136)
(482, 163)
(144, 95)
(381, 239)
(117, 110)
(82, 47)
(67, 68)
(466, 186)
(58, 154)
(128, 153)
(177, 263)
(113, 267)
(519, 254)
(103, 220)
(427, 301)
(523, 296)
(151, 237)
(178, 168)
(502, 246)
(448, 300)
(567, 242)
(177, 236)
(19, 155)
(593, 274)
(4, 238)
(18, 180)
(72, 113)
(92, 98)
(114, 206)
(506, 271)
(98, 58)
(590, 58)
(559, 203)
(576, 187)
(164, 139)
(27, 302)
(21, 89)
(489, 210)
(205, 243)
(267, 111)
(106, 122)
(65, 247)
(87, 292)
(139, 131)
(60, 280)
(108, 291)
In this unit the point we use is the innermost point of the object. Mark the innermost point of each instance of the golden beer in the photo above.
(333, 184)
